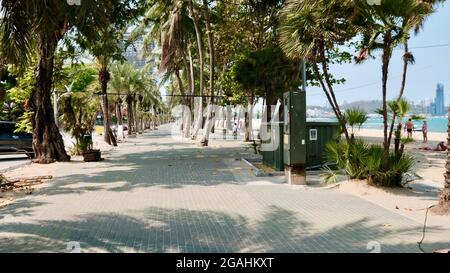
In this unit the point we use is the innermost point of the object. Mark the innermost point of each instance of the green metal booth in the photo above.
(282, 145)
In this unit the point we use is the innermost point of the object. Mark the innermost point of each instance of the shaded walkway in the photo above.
(155, 194)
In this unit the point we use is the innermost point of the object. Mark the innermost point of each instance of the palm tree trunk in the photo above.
(331, 93)
(118, 109)
(184, 126)
(135, 114)
(108, 135)
(192, 76)
(337, 113)
(130, 118)
(119, 113)
(444, 199)
(187, 101)
(210, 117)
(385, 71)
(228, 122)
(48, 144)
(402, 90)
(248, 120)
(199, 122)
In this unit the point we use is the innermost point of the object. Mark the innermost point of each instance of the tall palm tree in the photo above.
(211, 107)
(198, 35)
(104, 77)
(444, 199)
(148, 98)
(172, 24)
(309, 30)
(415, 22)
(131, 83)
(29, 25)
(384, 27)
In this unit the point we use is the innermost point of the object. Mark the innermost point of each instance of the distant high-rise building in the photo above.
(432, 109)
(424, 104)
(437, 107)
(439, 101)
(134, 52)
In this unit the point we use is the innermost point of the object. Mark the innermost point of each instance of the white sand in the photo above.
(374, 135)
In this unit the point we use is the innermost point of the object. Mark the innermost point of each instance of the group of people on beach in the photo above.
(409, 127)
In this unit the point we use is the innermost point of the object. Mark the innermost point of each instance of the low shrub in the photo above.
(359, 160)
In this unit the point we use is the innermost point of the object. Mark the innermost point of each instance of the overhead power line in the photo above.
(430, 46)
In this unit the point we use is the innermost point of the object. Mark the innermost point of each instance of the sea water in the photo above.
(435, 124)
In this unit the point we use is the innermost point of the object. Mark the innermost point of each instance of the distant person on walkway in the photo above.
(409, 128)
(425, 131)
(235, 130)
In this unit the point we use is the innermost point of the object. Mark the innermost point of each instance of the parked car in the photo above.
(14, 143)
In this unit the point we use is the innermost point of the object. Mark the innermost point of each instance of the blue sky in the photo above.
(432, 67)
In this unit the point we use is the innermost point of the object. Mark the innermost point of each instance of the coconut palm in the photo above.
(444, 200)
(194, 15)
(384, 27)
(310, 30)
(29, 25)
(211, 107)
(134, 85)
(104, 77)
(174, 25)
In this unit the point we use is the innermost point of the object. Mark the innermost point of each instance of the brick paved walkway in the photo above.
(155, 194)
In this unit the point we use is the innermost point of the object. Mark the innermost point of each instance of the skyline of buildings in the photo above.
(437, 107)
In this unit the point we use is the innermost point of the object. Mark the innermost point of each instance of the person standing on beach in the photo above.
(425, 131)
(409, 128)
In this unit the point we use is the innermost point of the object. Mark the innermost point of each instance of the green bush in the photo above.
(358, 160)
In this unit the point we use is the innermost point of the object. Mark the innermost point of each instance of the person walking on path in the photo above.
(425, 131)
(235, 130)
(409, 128)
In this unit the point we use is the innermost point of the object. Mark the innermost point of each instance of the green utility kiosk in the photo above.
(295, 137)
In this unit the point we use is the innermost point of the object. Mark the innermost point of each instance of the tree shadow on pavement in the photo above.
(162, 230)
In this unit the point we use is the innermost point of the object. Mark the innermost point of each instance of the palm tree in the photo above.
(198, 34)
(444, 199)
(399, 109)
(132, 83)
(384, 27)
(310, 30)
(355, 118)
(415, 22)
(116, 87)
(211, 107)
(104, 77)
(172, 24)
(29, 25)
